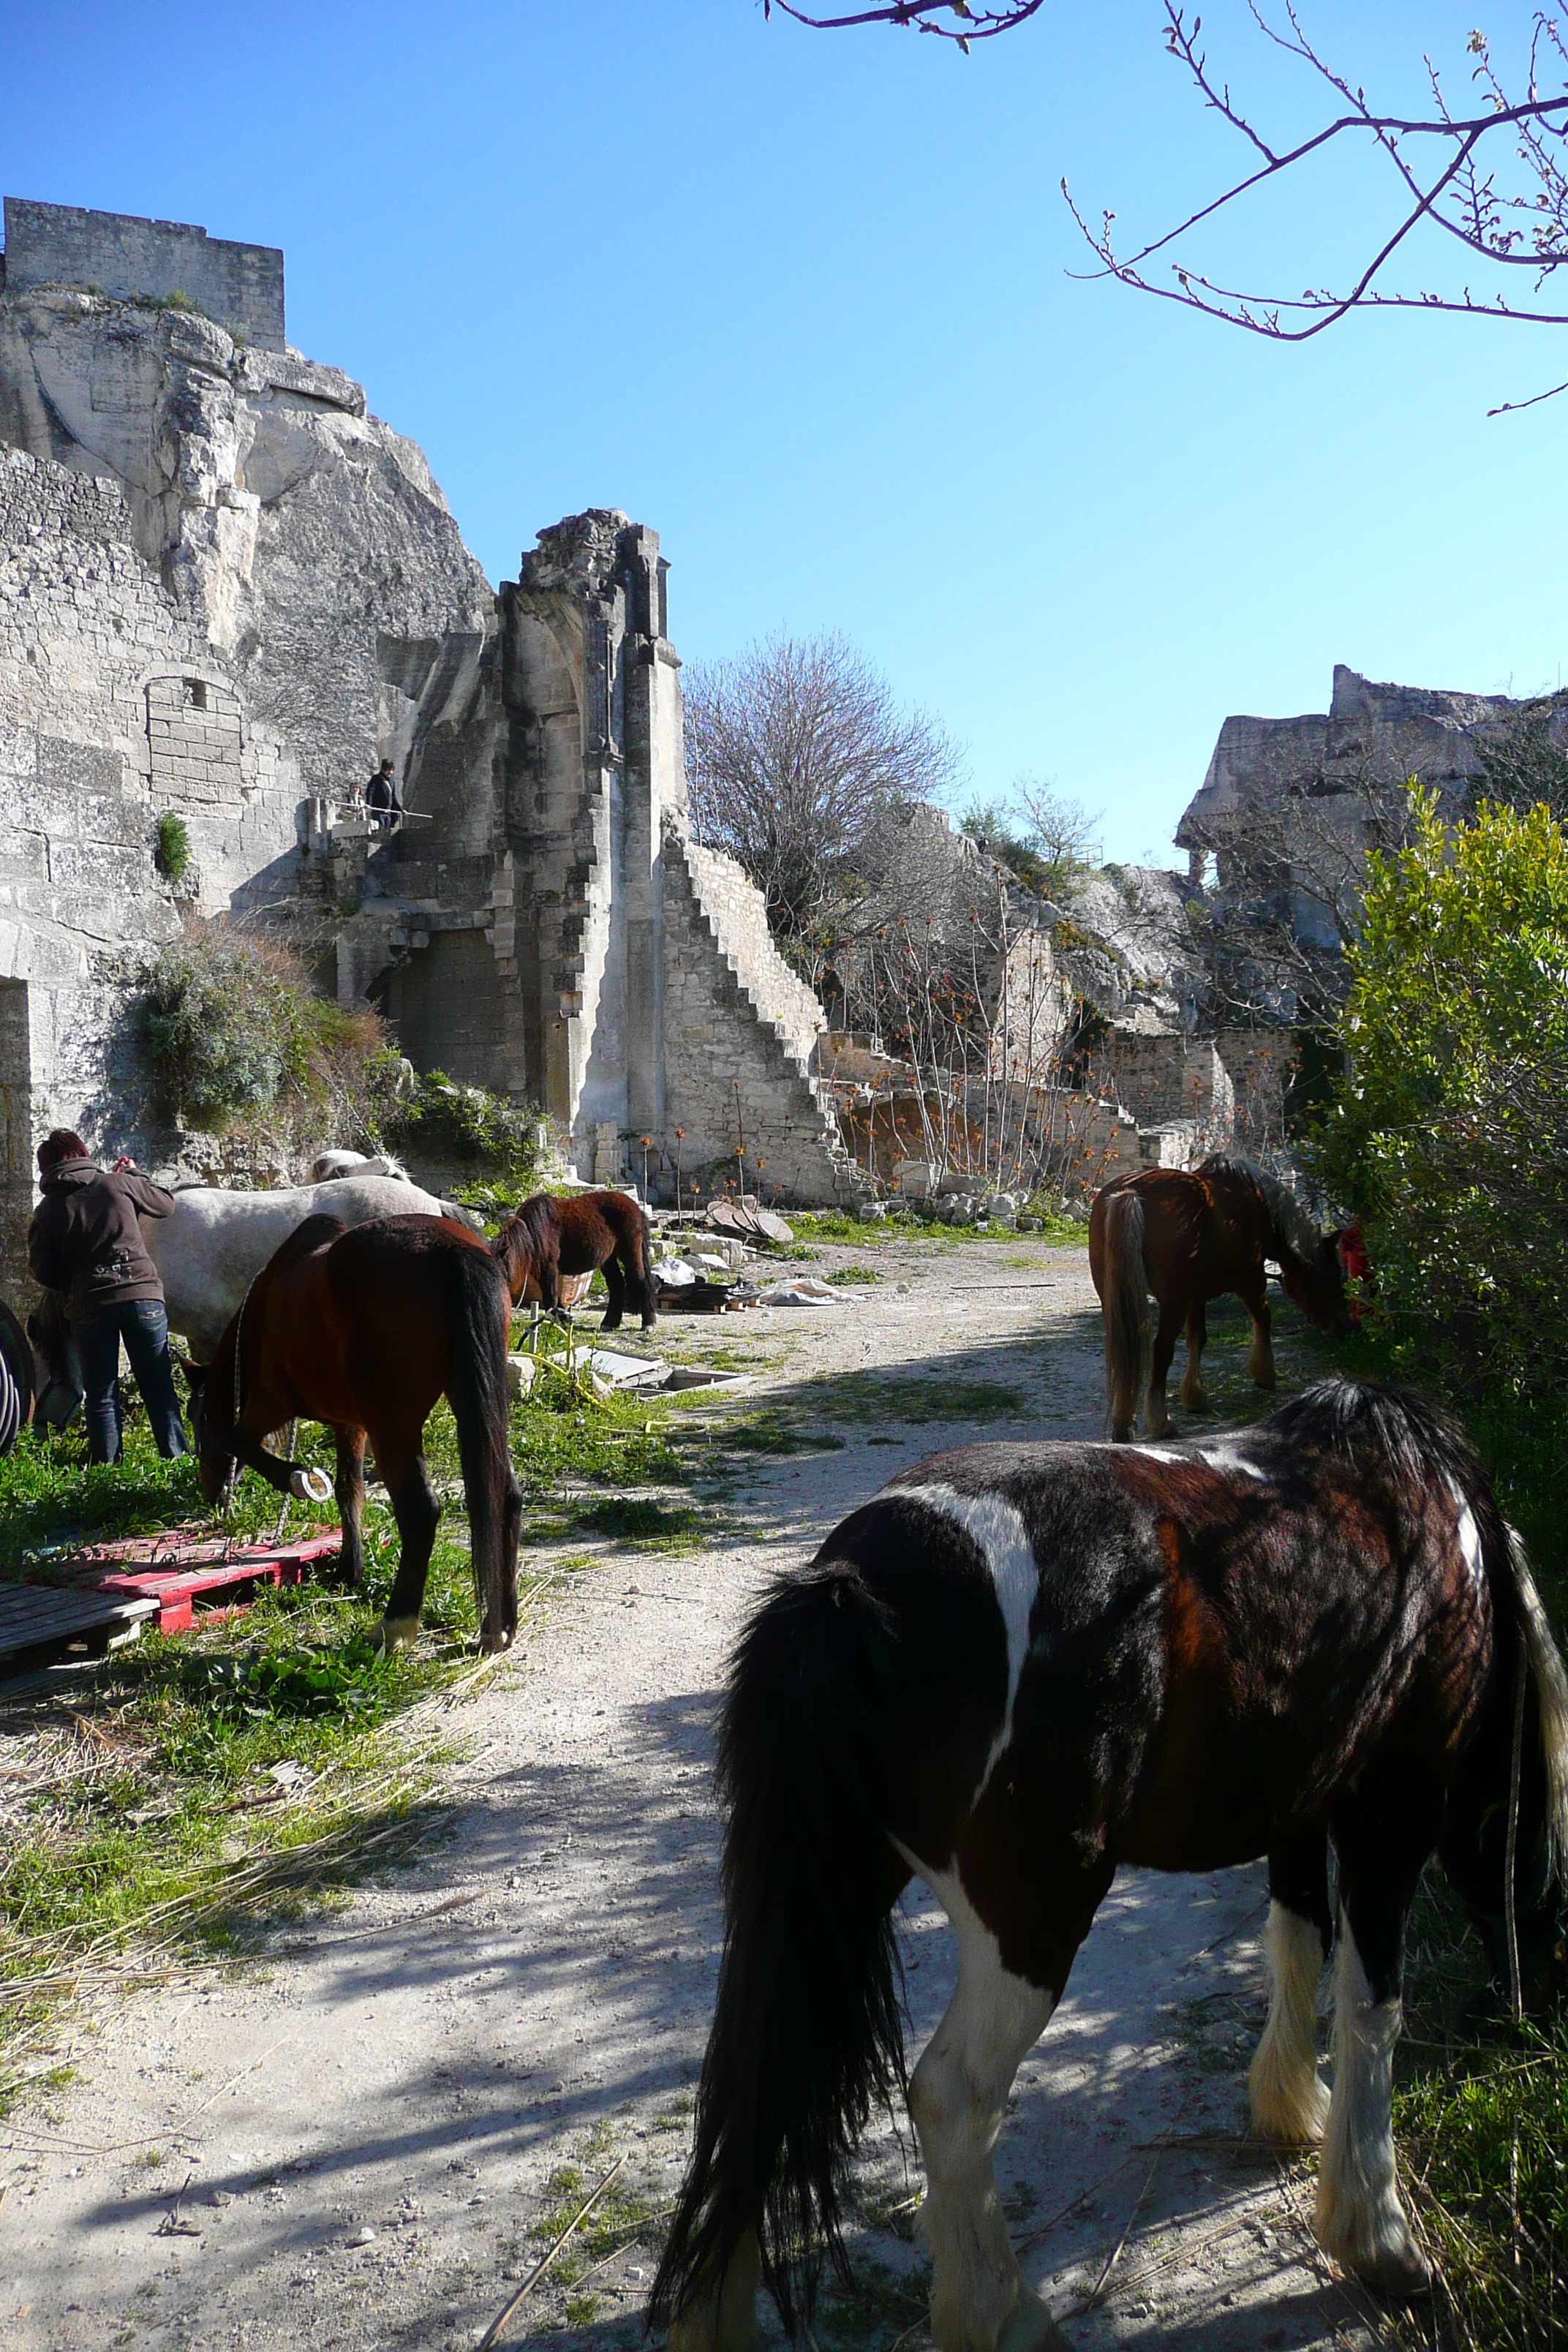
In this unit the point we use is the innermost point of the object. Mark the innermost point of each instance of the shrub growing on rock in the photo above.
(233, 1031)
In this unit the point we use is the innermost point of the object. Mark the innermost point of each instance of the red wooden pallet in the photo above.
(210, 1571)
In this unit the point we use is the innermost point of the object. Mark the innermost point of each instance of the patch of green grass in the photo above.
(903, 1398)
(644, 1523)
(850, 1273)
(835, 1225)
(622, 2217)
(772, 1432)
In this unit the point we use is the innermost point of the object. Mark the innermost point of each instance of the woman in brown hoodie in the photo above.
(85, 1240)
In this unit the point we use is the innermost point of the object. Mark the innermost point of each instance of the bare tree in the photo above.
(1494, 182)
(796, 753)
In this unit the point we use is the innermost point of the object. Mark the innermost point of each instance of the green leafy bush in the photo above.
(1450, 1130)
(233, 1028)
(171, 845)
(446, 1121)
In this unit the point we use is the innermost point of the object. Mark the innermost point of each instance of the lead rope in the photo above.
(1516, 1989)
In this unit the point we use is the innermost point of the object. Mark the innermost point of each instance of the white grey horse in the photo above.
(328, 1164)
(212, 1244)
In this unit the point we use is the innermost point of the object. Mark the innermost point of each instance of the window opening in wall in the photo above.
(195, 694)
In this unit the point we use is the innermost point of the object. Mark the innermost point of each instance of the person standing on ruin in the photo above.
(85, 1240)
(381, 797)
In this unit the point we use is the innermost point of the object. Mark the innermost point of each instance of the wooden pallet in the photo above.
(41, 1623)
(175, 1585)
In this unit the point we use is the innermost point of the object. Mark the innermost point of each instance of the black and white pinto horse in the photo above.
(1018, 1667)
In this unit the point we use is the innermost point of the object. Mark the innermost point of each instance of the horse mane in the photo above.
(528, 1224)
(1416, 1437)
(1294, 1227)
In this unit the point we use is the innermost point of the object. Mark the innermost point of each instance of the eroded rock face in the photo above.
(294, 530)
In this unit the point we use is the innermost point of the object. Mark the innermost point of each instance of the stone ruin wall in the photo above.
(740, 1031)
(239, 286)
(98, 732)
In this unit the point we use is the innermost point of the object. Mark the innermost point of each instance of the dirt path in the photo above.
(369, 2122)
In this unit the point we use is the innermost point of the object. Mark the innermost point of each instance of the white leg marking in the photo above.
(725, 2319)
(1360, 2220)
(958, 2095)
(993, 1523)
(1289, 2099)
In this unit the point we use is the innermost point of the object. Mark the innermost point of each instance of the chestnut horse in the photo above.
(363, 1327)
(1189, 1237)
(1019, 1667)
(581, 1233)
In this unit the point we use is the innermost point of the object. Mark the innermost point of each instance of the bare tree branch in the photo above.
(1452, 196)
(971, 25)
(1448, 170)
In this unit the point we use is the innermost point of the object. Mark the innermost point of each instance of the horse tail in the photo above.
(1124, 1302)
(476, 1388)
(1550, 1682)
(807, 2033)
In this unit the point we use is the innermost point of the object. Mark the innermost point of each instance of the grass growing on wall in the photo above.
(171, 845)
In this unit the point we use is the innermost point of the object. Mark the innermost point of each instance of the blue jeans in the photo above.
(144, 1328)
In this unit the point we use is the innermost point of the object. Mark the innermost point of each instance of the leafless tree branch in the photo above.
(970, 23)
(1450, 169)
(1453, 194)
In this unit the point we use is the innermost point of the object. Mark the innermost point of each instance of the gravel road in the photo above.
(362, 2128)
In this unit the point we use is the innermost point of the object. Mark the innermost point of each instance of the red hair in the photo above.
(60, 1143)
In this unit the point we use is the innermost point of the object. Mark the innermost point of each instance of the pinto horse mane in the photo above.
(1294, 1230)
(1421, 1442)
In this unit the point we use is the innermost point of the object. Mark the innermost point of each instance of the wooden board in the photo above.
(41, 1623)
(173, 1585)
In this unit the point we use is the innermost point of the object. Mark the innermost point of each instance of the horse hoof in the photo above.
(1397, 2273)
(396, 1633)
(1029, 2327)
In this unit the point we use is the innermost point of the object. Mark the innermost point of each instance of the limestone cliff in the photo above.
(293, 531)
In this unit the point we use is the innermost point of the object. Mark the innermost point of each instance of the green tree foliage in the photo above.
(1450, 1132)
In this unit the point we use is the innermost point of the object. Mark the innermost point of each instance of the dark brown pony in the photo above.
(363, 1327)
(1190, 1237)
(548, 1238)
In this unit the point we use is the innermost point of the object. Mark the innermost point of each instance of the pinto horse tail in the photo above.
(807, 2035)
(476, 1388)
(1551, 1681)
(1125, 1305)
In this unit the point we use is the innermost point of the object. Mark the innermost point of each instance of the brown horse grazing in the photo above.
(1019, 1668)
(588, 1231)
(1190, 1238)
(363, 1327)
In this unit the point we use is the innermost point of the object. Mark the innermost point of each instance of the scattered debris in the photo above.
(519, 1376)
(801, 1290)
(609, 1370)
(748, 1222)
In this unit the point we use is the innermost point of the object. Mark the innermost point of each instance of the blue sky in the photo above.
(802, 302)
